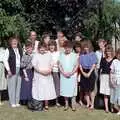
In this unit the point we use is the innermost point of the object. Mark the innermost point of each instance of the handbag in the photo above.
(35, 105)
(99, 101)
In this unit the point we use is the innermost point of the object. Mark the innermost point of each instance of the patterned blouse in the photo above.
(26, 61)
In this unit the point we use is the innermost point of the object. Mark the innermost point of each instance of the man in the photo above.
(60, 40)
(33, 39)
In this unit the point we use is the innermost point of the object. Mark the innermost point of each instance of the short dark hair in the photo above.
(28, 44)
(68, 44)
(12, 38)
(77, 44)
(52, 43)
(41, 44)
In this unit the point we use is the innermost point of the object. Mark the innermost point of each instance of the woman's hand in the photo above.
(26, 78)
(85, 74)
(66, 74)
(88, 74)
(113, 84)
(45, 72)
(9, 74)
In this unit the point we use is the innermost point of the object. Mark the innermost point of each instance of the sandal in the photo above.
(65, 108)
(46, 107)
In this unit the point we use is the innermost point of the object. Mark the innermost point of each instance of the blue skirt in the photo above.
(26, 86)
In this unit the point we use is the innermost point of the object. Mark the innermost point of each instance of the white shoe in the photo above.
(1, 103)
(17, 105)
(13, 105)
(118, 113)
(58, 105)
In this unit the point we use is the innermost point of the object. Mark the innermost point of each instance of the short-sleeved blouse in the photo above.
(87, 60)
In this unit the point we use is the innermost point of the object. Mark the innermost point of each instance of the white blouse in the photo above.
(6, 57)
(55, 58)
(99, 56)
(115, 68)
(2, 52)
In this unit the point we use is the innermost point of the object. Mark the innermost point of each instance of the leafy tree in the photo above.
(11, 20)
(93, 18)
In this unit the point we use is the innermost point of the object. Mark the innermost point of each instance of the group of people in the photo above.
(47, 69)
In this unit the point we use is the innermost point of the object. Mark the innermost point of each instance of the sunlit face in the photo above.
(29, 49)
(14, 43)
(60, 35)
(42, 50)
(78, 38)
(101, 44)
(61, 42)
(68, 50)
(33, 36)
(86, 49)
(52, 48)
(77, 49)
(46, 40)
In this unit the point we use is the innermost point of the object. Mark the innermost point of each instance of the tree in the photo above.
(11, 20)
(93, 18)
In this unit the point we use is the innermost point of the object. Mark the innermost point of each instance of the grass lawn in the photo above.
(22, 113)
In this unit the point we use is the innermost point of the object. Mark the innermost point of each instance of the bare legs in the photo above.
(106, 103)
(87, 97)
(73, 101)
(66, 103)
(0, 97)
(57, 103)
(46, 104)
(81, 98)
(92, 97)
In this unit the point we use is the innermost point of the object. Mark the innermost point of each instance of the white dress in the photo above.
(43, 86)
(3, 81)
(115, 92)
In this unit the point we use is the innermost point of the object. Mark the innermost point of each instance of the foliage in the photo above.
(105, 21)
(11, 20)
(93, 18)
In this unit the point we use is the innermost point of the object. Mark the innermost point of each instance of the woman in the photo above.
(87, 63)
(60, 41)
(12, 60)
(104, 75)
(55, 69)
(27, 69)
(68, 64)
(43, 86)
(46, 39)
(115, 82)
(33, 40)
(3, 81)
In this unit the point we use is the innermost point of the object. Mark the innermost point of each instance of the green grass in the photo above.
(22, 113)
